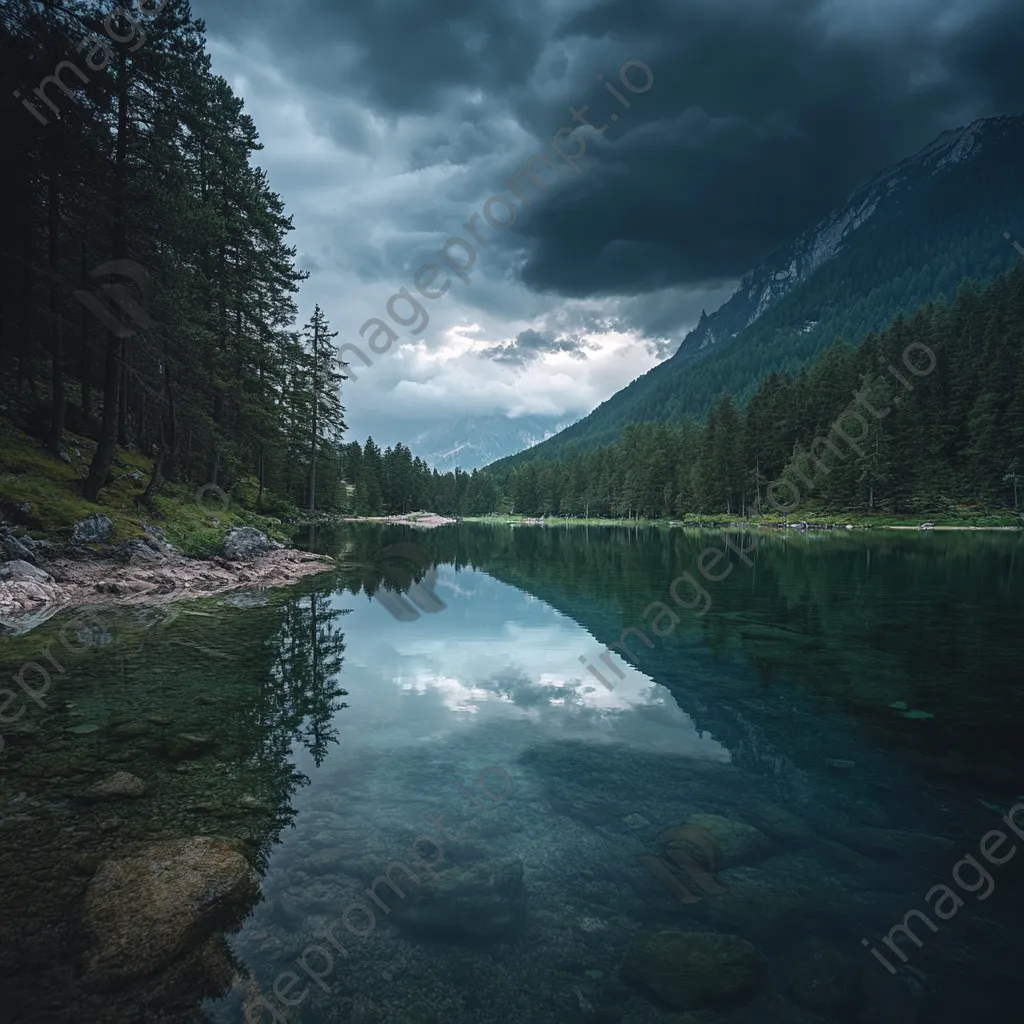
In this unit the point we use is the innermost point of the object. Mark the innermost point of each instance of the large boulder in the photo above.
(94, 529)
(690, 970)
(154, 537)
(17, 548)
(244, 542)
(19, 571)
(148, 909)
(137, 552)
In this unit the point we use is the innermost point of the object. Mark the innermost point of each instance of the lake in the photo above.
(502, 773)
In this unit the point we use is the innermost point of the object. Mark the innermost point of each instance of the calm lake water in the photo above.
(841, 713)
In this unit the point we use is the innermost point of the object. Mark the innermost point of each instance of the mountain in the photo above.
(470, 442)
(911, 233)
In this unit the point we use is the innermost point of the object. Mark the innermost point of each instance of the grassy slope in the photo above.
(42, 495)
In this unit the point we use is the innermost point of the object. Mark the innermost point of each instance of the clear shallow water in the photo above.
(736, 713)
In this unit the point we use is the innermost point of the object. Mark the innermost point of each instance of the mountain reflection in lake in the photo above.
(330, 741)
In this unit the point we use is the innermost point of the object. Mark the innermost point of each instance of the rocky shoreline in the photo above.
(424, 520)
(38, 578)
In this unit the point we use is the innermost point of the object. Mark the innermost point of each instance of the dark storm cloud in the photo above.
(531, 345)
(402, 56)
(763, 116)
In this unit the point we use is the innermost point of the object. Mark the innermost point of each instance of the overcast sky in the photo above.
(388, 124)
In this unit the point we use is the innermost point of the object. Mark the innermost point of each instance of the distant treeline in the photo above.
(925, 416)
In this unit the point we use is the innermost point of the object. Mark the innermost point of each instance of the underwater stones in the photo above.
(94, 529)
(583, 806)
(82, 730)
(821, 977)
(764, 896)
(687, 866)
(846, 859)
(635, 822)
(365, 1011)
(116, 786)
(132, 730)
(481, 900)
(890, 844)
(738, 843)
(418, 1013)
(779, 824)
(187, 745)
(146, 909)
(691, 970)
(696, 1017)
(670, 877)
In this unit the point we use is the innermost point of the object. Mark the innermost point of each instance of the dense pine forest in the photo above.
(132, 163)
(924, 417)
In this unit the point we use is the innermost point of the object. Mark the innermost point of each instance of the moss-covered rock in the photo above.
(691, 970)
(145, 910)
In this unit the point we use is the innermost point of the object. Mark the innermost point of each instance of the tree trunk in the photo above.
(172, 415)
(104, 456)
(316, 400)
(154, 481)
(84, 362)
(59, 403)
(122, 405)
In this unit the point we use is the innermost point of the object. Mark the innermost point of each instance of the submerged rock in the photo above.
(821, 977)
(148, 909)
(120, 784)
(690, 970)
(780, 824)
(890, 844)
(187, 745)
(244, 542)
(738, 843)
(484, 899)
(763, 897)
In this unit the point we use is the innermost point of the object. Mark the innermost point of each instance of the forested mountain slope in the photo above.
(926, 417)
(912, 233)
